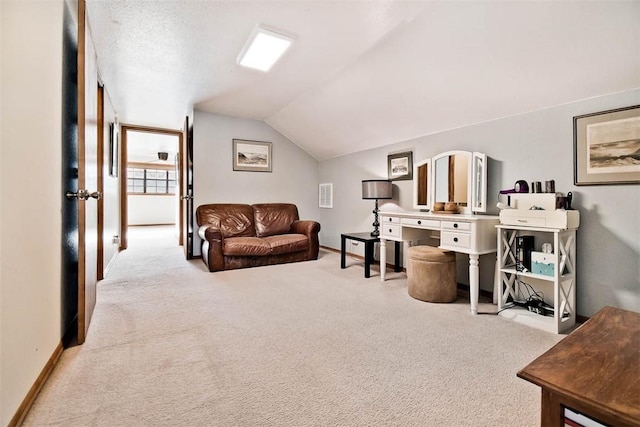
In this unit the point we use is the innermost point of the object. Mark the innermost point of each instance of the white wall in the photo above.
(151, 210)
(294, 178)
(537, 146)
(30, 219)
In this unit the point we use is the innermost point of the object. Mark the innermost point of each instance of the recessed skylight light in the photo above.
(263, 49)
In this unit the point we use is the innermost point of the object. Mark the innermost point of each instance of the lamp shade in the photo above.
(376, 189)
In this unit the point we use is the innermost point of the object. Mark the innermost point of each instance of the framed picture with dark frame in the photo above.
(253, 156)
(606, 147)
(113, 150)
(400, 166)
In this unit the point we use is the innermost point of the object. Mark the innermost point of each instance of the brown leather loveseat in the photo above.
(240, 236)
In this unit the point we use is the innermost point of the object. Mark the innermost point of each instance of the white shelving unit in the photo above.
(563, 282)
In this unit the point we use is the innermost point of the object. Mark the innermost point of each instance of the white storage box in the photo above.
(543, 263)
(525, 201)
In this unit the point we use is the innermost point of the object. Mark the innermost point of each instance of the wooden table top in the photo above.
(598, 364)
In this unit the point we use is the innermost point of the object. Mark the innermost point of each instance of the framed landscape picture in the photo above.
(400, 166)
(607, 147)
(253, 156)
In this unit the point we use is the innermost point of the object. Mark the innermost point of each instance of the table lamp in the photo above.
(376, 189)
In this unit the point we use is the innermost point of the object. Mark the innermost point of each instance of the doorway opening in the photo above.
(150, 186)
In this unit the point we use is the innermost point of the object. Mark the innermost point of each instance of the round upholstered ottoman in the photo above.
(431, 274)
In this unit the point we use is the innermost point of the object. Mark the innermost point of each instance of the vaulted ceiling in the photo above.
(363, 74)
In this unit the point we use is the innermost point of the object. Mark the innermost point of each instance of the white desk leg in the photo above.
(496, 283)
(383, 259)
(474, 282)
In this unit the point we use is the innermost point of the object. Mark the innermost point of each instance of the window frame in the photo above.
(155, 167)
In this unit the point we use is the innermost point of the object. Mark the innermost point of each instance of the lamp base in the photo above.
(376, 223)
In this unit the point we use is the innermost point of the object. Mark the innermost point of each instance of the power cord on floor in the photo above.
(533, 301)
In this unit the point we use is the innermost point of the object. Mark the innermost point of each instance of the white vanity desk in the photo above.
(474, 235)
(458, 177)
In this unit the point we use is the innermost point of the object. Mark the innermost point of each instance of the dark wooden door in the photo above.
(186, 188)
(87, 174)
(69, 329)
(80, 178)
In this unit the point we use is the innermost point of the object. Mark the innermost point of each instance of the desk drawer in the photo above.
(523, 220)
(421, 223)
(389, 220)
(454, 225)
(391, 230)
(450, 238)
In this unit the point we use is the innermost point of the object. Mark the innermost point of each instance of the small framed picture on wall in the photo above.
(253, 156)
(113, 149)
(400, 166)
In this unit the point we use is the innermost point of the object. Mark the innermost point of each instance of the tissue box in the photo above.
(543, 263)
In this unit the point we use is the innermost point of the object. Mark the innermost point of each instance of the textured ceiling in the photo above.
(363, 74)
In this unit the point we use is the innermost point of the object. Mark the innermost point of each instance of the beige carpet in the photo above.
(304, 344)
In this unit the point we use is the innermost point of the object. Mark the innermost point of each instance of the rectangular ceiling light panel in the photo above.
(263, 49)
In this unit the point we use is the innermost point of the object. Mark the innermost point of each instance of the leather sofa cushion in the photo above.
(233, 220)
(271, 245)
(246, 246)
(287, 243)
(274, 218)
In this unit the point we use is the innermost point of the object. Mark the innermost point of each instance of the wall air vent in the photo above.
(326, 196)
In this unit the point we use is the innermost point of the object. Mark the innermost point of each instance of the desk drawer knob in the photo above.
(419, 222)
(391, 230)
(455, 239)
(390, 219)
(455, 225)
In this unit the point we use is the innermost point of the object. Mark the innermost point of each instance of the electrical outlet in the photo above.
(116, 239)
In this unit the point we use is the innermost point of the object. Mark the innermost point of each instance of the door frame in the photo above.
(124, 221)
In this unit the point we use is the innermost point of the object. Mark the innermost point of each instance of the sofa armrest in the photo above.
(212, 241)
(305, 227)
(209, 232)
(311, 230)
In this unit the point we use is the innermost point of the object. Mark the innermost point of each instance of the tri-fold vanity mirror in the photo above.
(453, 176)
